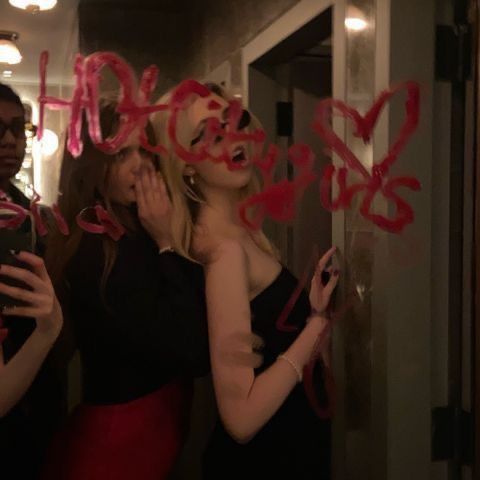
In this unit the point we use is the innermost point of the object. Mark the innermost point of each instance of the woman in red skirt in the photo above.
(137, 316)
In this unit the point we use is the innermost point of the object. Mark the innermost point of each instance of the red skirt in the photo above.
(139, 440)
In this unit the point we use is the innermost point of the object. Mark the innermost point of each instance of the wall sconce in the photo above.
(9, 52)
(355, 19)
(48, 145)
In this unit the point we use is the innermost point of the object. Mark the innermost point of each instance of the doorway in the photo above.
(284, 86)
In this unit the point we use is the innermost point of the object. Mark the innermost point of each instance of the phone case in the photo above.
(22, 238)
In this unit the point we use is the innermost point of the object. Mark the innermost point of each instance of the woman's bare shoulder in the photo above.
(216, 247)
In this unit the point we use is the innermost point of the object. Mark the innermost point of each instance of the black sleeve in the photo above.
(184, 285)
(153, 309)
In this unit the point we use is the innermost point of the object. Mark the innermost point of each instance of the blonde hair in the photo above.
(186, 199)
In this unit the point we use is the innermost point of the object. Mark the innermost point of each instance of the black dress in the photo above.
(141, 343)
(147, 328)
(295, 443)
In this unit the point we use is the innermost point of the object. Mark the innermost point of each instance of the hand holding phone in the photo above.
(37, 299)
(20, 239)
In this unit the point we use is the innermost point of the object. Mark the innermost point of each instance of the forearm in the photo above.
(184, 290)
(17, 375)
(271, 388)
(179, 273)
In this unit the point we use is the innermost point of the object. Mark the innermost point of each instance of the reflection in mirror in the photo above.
(359, 248)
(190, 311)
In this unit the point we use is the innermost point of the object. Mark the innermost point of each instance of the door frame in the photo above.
(288, 24)
(476, 246)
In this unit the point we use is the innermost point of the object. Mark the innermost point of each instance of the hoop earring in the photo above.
(190, 190)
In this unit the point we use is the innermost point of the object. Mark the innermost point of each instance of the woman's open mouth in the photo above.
(239, 157)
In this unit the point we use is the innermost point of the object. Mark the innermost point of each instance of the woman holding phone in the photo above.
(31, 389)
(38, 302)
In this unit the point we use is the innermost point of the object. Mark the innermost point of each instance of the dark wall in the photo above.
(143, 32)
(230, 24)
(184, 38)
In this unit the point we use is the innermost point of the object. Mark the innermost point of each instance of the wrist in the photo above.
(293, 364)
(317, 312)
(164, 243)
(317, 322)
(46, 337)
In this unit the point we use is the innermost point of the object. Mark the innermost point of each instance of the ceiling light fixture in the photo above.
(9, 53)
(33, 6)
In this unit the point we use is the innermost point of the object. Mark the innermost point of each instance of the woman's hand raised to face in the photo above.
(154, 207)
(41, 301)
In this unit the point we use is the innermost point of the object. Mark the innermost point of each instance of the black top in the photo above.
(26, 430)
(148, 328)
(294, 443)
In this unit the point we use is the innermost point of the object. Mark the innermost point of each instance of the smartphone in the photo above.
(23, 239)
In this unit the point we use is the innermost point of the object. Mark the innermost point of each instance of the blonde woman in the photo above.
(267, 428)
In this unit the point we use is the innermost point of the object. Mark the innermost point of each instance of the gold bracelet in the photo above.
(293, 365)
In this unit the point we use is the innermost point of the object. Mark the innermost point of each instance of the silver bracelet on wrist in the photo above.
(298, 371)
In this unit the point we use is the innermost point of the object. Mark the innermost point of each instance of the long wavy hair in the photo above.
(186, 198)
(84, 182)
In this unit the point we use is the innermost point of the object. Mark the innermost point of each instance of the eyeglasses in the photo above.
(18, 127)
